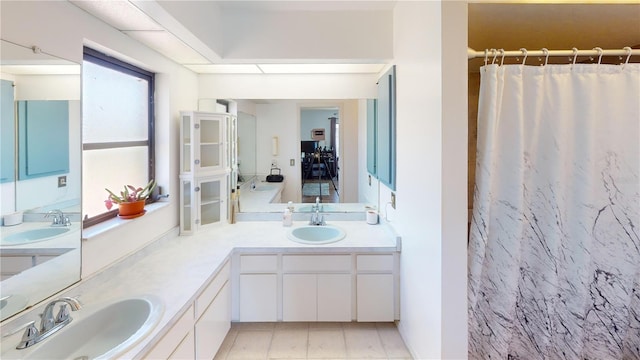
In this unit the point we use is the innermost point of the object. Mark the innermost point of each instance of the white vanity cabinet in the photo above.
(200, 330)
(375, 287)
(316, 288)
(204, 169)
(258, 288)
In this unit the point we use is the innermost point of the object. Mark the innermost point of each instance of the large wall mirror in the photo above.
(40, 176)
(275, 132)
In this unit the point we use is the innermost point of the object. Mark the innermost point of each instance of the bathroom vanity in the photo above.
(248, 271)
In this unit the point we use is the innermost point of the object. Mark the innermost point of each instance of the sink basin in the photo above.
(34, 235)
(102, 334)
(316, 234)
(263, 188)
(11, 304)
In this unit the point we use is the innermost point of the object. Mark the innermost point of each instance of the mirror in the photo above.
(281, 119)
(41, 142)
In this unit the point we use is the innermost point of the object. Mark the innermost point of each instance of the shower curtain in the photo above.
(554, 246)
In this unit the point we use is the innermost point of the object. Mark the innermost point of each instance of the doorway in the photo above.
(320, 154)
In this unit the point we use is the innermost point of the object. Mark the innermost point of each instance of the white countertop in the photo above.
(174, 268)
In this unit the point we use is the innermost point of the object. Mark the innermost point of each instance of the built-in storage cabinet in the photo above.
(203, 149)
(375, 287)
(204, 164)
(203, 202)
(381, 131)
(316, 287)
(199, 332)
(258, 288)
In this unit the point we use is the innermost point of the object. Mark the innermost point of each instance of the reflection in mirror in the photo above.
(40, 186)
(246, 146)
(282, 119)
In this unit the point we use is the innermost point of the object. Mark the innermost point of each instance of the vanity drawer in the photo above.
(210, 292)
(375, 263)
(174, 338)
(258, 263)
(316, 263)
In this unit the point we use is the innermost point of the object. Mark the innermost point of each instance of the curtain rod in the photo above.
(499, 53)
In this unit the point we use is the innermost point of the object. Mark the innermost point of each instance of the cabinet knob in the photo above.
(196, 161)
(197, 188)
(196, 126)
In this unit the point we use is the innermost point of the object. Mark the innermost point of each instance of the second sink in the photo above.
(103, 334)
(34, 235)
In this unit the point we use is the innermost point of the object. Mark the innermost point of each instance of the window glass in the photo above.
(117, 115)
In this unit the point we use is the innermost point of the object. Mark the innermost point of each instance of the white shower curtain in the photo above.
(554, 248)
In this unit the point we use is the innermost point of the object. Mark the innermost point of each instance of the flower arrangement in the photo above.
(130, 194)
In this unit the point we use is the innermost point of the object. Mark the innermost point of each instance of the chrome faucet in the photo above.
(49, 324)
(58, 218)
(317, 218)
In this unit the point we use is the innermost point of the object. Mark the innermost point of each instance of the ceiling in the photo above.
(237, 36)
(552, 26)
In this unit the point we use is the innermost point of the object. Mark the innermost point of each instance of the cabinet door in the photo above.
(185, 349)
(258, 297)
(213, 325)
(375, 297)
(334, 297)
(186, 138)
(186, 207)
(299, 297)
(386, 129)
(209, 131)
(211, 193)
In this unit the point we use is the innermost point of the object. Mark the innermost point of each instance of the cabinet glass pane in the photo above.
(210, 213)
(210, 191)
(209, 131)
(186, 205)
(186, 144)
(209, 155)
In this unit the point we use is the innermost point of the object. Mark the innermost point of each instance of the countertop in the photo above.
(174, 268)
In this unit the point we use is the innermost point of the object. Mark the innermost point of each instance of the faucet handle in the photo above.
(29, 336)
(63, 314)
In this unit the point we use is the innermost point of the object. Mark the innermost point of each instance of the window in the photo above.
(117, 131)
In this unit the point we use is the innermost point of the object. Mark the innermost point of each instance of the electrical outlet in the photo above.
(274, 163)
(393, 200)
(292, 162)
(62, 181)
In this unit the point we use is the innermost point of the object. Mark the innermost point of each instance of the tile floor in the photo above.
(252, 341)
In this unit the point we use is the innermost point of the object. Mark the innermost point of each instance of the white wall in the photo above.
(418, 214)
(60, 28)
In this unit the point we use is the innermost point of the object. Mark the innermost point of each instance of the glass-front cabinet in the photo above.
(203, 202)
(205, 165)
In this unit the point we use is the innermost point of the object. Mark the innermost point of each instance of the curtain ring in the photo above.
(524, 52)
(600, 51)
(495, 55)
(502, 60)
(486, 56)
(545, 51)
(575, 56)
(628, 49)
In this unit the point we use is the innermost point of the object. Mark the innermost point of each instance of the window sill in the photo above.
(106, 226)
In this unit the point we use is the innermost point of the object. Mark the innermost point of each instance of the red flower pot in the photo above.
(131, 209)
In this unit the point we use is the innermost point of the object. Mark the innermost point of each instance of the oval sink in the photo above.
(316, 234)
(103, 334)
(11, 304)
(33, 235)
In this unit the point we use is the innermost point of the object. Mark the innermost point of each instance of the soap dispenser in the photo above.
(287, 218)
